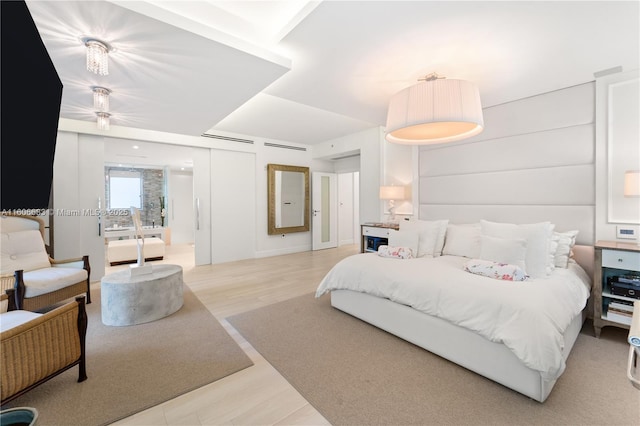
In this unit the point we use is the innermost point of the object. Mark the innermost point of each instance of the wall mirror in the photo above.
(288, 198)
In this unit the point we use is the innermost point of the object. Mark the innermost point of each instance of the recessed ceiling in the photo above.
(306, 72)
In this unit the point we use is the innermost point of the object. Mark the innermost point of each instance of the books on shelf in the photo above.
(621, 305)
(620, 311)
(630, 279)
(618, 317)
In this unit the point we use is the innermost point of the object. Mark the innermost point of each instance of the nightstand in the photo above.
(373, 235)
(613, 303)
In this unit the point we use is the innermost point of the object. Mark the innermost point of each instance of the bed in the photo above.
(517, 333)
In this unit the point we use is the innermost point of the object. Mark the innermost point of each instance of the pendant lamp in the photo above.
(435, 110)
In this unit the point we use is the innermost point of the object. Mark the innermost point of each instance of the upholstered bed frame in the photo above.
(518, 170)
(459, 345)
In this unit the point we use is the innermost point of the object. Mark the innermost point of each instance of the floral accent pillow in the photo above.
(395, 252)
(497, 270)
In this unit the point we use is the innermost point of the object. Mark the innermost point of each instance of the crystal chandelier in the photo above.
(101, 99)
(97, 56)
(103, 120)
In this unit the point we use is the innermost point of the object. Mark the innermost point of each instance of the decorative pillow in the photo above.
(462, 240)
(564, 243)
(406, 239)
(395, 252)
(504, 251)
(497, 270)
(431, 235)
(538, 237)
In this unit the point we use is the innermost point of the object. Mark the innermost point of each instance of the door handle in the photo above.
(315, 212)
(197, 214)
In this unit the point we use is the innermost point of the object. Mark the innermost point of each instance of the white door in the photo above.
(324, 210)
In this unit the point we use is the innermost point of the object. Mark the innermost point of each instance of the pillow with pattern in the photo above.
(395, 252)
(497, 270)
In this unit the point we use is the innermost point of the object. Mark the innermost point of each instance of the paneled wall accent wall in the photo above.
(533, 162)
(153, 187)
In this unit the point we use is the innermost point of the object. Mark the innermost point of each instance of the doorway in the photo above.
(335, 210)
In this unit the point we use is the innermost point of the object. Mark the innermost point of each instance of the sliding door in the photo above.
(202, 205)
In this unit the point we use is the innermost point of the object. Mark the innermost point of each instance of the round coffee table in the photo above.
(130, 300)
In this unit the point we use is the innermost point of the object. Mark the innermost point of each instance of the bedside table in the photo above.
(612, 260)
(373, 235)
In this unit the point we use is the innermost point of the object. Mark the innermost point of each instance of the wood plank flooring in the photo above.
(257, 395)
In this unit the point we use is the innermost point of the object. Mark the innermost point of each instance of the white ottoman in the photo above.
(126, 251)
(130, 300)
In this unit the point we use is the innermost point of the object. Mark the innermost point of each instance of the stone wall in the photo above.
(153, 188)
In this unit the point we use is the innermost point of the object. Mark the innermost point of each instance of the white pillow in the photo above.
(538, 237)
(502, 250)
(406, 239)
(564, 243)
(462, 240)
(22, 250)
(431, 235)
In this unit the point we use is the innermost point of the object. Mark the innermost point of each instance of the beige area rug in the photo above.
(133, 368)
(356, 374)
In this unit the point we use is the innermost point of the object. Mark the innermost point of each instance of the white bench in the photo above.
(126, 251)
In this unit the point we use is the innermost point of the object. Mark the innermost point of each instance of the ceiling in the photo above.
(309, 71)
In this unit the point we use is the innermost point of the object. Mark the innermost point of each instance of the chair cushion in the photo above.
(46, 280)
(22, 250)
(9, 320)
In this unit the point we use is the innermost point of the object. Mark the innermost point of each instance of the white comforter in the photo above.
(529, 317)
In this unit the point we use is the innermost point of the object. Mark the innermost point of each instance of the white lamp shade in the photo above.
(436, 111)
(392, 192)
(632, 183)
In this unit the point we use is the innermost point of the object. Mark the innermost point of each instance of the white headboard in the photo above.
(534, 162)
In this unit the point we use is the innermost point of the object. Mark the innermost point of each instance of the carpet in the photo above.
(133, 368)
(356, 374)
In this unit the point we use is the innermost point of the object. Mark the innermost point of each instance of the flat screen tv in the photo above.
(30, 92)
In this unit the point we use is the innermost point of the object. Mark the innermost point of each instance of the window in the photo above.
(125, 189)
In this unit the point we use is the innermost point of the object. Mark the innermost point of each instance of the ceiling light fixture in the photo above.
(101, 99)
(97, 56)
(435, 110)
(103, 120)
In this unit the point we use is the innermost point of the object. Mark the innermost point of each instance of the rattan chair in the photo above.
(41, 348)
(39, 281)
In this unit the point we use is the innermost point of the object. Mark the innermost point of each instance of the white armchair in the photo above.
(39, 281)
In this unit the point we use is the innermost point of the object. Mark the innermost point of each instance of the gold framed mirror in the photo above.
(287, 199)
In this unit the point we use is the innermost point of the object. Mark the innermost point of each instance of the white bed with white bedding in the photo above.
(518, 333)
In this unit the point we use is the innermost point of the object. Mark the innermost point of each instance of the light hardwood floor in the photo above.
(257, 395)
